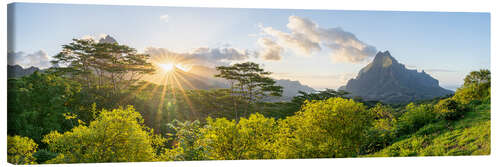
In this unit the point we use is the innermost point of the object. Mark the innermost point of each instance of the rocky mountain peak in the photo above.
(386, 80)
(384, 59)
(107, 39)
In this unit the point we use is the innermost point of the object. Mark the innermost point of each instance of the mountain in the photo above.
(14, 71)
(198, 77)
(204, 80)
(386, 80)
(290, 89)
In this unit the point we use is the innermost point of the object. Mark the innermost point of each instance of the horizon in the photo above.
(330, 45)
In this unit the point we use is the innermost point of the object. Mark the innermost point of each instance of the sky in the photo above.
(319, 48)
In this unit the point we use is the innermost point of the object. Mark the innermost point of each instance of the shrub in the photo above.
(414, 118)
(477, 86)
(43, 155)
(383, 129)
(20, 150)
(250, 138)
(449, 109)
(115, 136)
(335, 127)
(186, 146)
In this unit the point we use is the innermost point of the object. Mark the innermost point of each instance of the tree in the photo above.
(321, 95)
(335, 127)
(383, 130)
(478, 77)
(415, 117)
(477, 86)
(20, 150)
(98, 64)
(250, 138)
(249, 82)
(38, 104)
(187, 136)
(449, 109)
(115, 136)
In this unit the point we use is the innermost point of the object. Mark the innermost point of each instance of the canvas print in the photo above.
(107, 83)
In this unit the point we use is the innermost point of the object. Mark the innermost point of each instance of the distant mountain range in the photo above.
(386, 80)
(199, 77)
(14, 71)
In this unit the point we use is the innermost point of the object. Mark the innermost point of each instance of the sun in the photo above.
(169, 67)
(166, 67)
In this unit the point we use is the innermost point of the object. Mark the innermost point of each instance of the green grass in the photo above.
(467, 136)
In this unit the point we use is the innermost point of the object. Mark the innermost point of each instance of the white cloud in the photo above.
(38, 59)
(164, 18)
(306, 37)
(100, 38)
(200, 56)
(271, 50)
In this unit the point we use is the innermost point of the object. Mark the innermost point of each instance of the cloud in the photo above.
(296, 42)
(38, 59)
(307, 37)
(201, 56)
(101, 38)
(164, 18)
(271, 50)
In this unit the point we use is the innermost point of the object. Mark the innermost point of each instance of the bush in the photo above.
(43, 155)
(186, 146)
(250, 138)
(115, 136)
(37, 103)
(477, 86)
(449, 109)
(335, 127)
(383, 130)
(415, 118)
(20, 150)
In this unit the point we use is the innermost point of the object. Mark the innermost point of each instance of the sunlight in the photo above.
(166, 67)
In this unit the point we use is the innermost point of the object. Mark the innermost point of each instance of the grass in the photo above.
(467, 136)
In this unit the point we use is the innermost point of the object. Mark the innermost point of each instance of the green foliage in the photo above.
(321, 95)
(20, 150)
(335, 127)
(187, 136)
(37, 104)
(467, 136)
(249, 82)
(98, 65)
(383, 130)
(277, 110)
(115, 136)
(43, 155)
(449, 109)
(477, 86)
(415, 118)
(250, 138)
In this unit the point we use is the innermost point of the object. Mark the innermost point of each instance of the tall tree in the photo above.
(97, 64)
(249, 82)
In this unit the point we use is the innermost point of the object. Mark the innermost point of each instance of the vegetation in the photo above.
(249, 82)
(20, 150)
(95, 109)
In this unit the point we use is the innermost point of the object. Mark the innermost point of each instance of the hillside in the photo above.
(467, 136)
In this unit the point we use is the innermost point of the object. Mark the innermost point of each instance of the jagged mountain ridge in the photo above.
(15, 71)
(386, 80)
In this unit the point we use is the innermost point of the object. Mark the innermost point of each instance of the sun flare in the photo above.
(166, 67)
